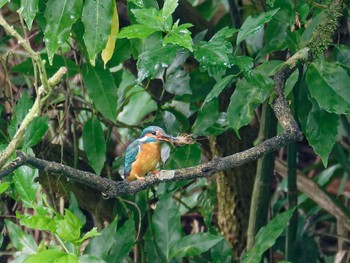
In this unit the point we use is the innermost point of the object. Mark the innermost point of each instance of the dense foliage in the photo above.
(199, 67)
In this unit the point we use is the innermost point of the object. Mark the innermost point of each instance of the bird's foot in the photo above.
(140, 177)
(155, 172)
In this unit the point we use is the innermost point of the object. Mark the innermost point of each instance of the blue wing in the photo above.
(130, 156)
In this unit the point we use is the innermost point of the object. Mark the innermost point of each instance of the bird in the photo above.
(144, 154)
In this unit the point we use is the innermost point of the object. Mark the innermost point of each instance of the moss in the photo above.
(322, 37)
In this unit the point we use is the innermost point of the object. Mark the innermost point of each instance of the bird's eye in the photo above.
(153, 133)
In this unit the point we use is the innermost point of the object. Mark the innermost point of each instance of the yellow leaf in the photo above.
(109, 49)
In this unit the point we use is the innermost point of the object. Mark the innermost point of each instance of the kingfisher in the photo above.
(143, 154)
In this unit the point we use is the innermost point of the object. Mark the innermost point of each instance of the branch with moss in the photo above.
(43, 91)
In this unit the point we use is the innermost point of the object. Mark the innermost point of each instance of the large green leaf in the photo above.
(139, 105)
(97, 20)
(328, 85)
(178, 83)
(319, 126)
(94, 144)
(215, 56)
(90, 259)
(74, 208)
(28, 10)
(38, 222)
(251, 25)
(21, 240)
(219, 87)
(267, 236)
(185, 156)
(69, 227)
(60, 15)
(21, 110)
(124, 241)
(155, 58)
(99, 246)
(342, 55)
(25, 186)
(149, 17)
(250, 92)
(194, 245)
(52, 256)
(151, 250)
(206, 117)
(102, 89)
(222, 252)
(35, 131)
(166, 225)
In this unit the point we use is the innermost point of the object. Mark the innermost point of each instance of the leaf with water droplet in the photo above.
(251, 25)
(97, 20)
(59, 23)
(28, 10)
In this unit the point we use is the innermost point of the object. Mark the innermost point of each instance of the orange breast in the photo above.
(146, 160)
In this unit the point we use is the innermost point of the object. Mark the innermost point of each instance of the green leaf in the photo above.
(97, 20)
(74, 208)
(3, 2)
(52, 256)
(124, 241)
(22, 108)
(178, 83)
(38, 222)
(215, 56)
(251, 25)
(4, 186)
(174, 121)
(185, 156)
(149, 17)
(166, 225)
(136, 31)
(179, 35)
(69, 227)
(92, 233)
(151, 250)
(28, 10)
(154, 59)
(60, 15)
(320, 127)
(99, 246)
(169, 8)
(25, 186)
(219, 87)
(267, 236)
(139, 105)
(250, 92)
(194, 245)
(35, 131)
(245, 63)
(328, 85)
(21, 240)
(102, 89)
(290, 83)
(342, 55)
(222, 252)
(94, 144)
(206, 117)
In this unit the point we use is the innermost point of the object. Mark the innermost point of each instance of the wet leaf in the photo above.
(28, 10)
(97, 20)
(60, 15)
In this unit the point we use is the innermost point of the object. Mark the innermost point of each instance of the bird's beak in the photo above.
(164, 137)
